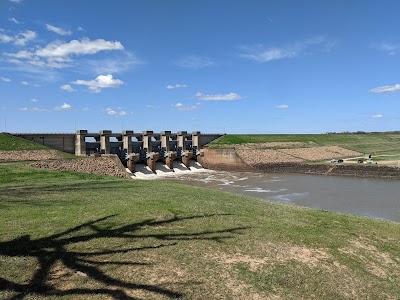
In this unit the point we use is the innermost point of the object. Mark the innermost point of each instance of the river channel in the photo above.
(376, 198)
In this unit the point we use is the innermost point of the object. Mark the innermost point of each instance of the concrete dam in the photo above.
(146, 148)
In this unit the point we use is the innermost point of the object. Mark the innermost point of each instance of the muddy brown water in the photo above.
(376, 198)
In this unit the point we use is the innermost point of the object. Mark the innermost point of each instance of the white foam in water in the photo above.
(226, 182)
(260, 190)
(144, 172)
(162, 169)
(291, 197)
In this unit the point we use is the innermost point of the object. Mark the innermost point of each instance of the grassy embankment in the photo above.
(13, 143)
(78, 236)
(384, 148)
(375, 144)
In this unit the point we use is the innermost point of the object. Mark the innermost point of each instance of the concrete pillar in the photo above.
(181, 139)
(184, 154)
(127, 140)
(152, 157)
(133, 159)
(146, 137)
(196, 144)
(80, 144)
(151, 161)
(105, 141)
(196, 139)
(169, 156)
(164, 136)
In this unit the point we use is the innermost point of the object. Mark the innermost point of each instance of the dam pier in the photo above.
(132, 148)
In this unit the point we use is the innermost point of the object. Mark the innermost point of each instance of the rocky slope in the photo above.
(97, 165)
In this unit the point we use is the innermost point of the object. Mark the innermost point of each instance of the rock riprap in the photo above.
(28, 155)
(256, 156)
(97, 165)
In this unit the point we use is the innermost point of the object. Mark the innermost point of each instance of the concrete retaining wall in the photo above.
(61, 142)
(223, 159)
(208, 138)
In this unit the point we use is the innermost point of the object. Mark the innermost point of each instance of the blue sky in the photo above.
(214, 66)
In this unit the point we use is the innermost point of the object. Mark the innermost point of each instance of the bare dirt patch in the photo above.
(311, 257)
(374, 261)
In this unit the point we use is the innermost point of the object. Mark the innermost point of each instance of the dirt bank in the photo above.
(99, 165)
(342, 170)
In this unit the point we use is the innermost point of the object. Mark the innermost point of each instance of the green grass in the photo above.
(68, 235)
(380, 143)
(13, 143)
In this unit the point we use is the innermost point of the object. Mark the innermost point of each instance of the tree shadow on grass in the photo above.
(49, 251)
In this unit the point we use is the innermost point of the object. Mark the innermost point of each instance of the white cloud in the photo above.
(377, 116)
(101, 82)
(218, 97)
(117, 64)
(390, 49)
(16, 1)
(67, 87)
(5, 79)
(181, 107)
(23, 54)
(58, 30)
(58, 54)
(75, 47)
(264, 54)
(79, 28)
(34, 100)
(175, 86)
(386, 89)
(36, 109)
(29, 84)
(115, 113)
(24, 37)
(283, 106)
(4, 38)
(15, 21)
(65, 106)
(194, 62)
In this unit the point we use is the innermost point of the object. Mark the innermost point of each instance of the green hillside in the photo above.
(13, 143)
(67, 235)
(374, 143)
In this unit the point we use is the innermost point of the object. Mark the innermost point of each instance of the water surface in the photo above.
(377, 198)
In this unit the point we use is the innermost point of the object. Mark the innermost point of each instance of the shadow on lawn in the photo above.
(53, 249)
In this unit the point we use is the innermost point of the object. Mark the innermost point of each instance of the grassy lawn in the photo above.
(13, 143)
(68, 235)
(365, 143)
